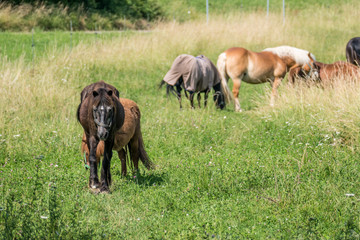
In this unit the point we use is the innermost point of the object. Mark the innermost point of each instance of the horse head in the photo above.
(219, 97)
(311, 68)
(103, 111)
(219, 100)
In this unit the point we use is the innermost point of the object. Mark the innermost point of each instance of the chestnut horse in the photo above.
(326, 73)
(241, 64)
(129, 135)
(353, 51)
(293, 58)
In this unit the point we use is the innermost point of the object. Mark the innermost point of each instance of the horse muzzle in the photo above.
(102, 133)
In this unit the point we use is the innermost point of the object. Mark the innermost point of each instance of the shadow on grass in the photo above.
(147, 179)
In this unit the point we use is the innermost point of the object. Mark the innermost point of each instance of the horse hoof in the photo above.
(94, 184)
(104, 190)
(95, 190)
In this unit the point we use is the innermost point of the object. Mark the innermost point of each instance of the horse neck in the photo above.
(217, 88)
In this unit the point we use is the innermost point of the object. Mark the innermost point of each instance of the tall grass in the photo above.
(280, 172)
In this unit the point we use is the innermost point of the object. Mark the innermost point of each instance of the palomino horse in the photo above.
(240, 64)
(128, 135)
(195, 75)
(293, 58)
(101, 115)
(353, 51)
(326, 73)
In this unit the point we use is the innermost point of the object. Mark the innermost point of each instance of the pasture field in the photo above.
(288, 172)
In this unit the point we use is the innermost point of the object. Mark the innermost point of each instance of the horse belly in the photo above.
(256, 74)
(123, 136)
(254, 78)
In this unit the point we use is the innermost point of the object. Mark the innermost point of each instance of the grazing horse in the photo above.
(195, 75)
(241, 64)
(293, 58)
(129, 135)
(325, 73)
(353, 51)
(301, 72)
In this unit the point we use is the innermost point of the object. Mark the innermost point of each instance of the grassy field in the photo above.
(287, 172)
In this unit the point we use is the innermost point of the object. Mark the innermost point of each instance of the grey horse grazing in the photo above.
(195, 75)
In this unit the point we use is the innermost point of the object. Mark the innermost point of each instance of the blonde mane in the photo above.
(300, 56)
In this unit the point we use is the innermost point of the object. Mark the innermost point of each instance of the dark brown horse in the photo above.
(129, 135)
(101, 115)
(353, 51)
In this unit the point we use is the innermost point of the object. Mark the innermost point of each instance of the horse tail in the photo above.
(144, 156)
(161, 83)
(221, 65)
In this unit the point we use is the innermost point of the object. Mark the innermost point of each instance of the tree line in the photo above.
(134, 9)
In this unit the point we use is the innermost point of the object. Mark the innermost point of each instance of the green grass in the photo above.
(16, 45)
(279, 173)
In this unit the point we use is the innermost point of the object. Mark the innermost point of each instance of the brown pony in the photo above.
(128, 135)
(101, 115)
(240, 64)
(326, 73)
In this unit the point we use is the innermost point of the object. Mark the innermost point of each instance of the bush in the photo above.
(57, 17)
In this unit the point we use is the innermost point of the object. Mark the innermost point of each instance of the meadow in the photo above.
(287, 172)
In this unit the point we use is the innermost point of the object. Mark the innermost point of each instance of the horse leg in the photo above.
(134, 152)
(122, 156)
(275, 84)
(105, 170)
(93, 179)
(199, 99)
(235, 91)
(192, 100)
(293, 73)
(206, 97)
(178, 92)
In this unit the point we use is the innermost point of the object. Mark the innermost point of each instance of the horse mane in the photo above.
(300, 56)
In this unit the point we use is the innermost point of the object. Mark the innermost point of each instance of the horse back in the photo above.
(131, 125)
(336, 69)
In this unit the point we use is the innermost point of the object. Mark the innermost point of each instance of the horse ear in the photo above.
(117, 93)
(311, 59)
(110, 92)
(95, 93)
